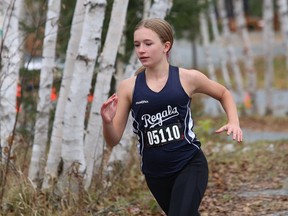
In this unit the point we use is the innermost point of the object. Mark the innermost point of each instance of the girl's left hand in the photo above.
(233, 129)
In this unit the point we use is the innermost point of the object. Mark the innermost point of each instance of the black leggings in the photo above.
(181, 194)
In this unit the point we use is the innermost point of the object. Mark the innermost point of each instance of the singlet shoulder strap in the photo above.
(174, 74)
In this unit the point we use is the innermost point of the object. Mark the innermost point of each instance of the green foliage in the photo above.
(134, 15)
(203, 129)
(29, 81)
(255, 7)
(205, 125)
(184, 16)
(106, 21)
(65, 21)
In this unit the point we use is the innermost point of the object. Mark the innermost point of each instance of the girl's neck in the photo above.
(157, 72)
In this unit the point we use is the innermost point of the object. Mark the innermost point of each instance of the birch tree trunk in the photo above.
(214, 108)
(74, 164)
(217, 39)
(160, 9)
(38, 159)
(120, 152)
(226, 37)
(207, 45)
(248, 55)
(283, 14)
(21, 18)
(54, 155)
(146, 8)
(9, 74)
(2, 10)
(268, 41)
(94, 142)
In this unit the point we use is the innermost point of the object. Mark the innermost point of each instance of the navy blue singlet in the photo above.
(163, 124)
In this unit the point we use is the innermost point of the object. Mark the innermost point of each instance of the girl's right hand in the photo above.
(108, 109)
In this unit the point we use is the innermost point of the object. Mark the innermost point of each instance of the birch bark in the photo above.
(74, 164)
(283, 14)
(268, 42)
(217, 39)
(247, 51)
(9, 73)
(54, 154)
(121, 151)
(159, 8)
(38, 158)
(226, 37)
(214, 109)
(94, 142)
(146, 8)
(206, 44)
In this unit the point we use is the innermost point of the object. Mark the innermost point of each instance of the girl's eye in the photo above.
(148, 44)
(136, 45)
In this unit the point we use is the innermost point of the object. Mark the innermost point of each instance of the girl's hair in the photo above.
(161, 27)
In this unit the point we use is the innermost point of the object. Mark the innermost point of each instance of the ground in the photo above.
(245, 179)
(267, 123)
(251, 179)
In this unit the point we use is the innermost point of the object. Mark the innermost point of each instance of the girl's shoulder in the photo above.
(126, 87)
(190, 74)
(191, 79)
(128, 82)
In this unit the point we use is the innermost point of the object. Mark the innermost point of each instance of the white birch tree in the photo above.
(94, 142)
(206, 44)
(217, 39)
(227, 41)
(283, 14)
(1, 22)
(247, 51)
(21, 9)
(74, 116)
(120, 152)
(159, 9)
(268, 42)
(54, 155)
(38, 159)
(9, 73)
(214, 108)
(146, 8)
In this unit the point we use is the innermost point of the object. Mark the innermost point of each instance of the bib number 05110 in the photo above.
(162, 135)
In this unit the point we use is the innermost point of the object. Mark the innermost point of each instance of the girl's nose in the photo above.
(141, 48)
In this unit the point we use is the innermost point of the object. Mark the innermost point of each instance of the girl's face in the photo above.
(149, 48)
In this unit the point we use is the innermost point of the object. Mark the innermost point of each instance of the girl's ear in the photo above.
(167, 46)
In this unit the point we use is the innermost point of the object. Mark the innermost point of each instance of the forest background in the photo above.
(61, 59)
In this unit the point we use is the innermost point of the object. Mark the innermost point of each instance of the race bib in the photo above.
(162, 135)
